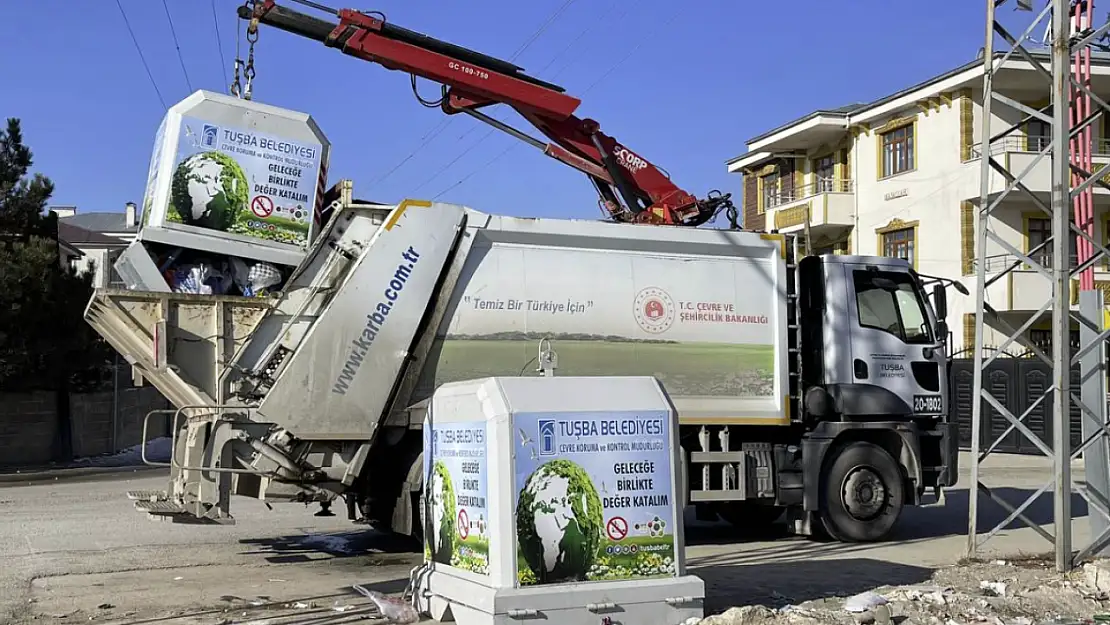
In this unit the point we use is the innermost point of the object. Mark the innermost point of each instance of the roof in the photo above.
(100, 222)
(842, 111)
(846, 108)
(78, 237)
(69, 248)
(1042, 54)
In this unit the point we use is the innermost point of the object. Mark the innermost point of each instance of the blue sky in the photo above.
(684, 87)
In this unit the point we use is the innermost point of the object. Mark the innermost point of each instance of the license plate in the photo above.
(926, 404)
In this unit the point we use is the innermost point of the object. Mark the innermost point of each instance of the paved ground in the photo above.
(75, 550)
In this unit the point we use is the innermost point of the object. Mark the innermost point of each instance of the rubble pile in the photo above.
(1024, 592)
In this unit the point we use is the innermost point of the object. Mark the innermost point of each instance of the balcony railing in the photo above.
(826, 185)
(1001, 262)
(1035, 143)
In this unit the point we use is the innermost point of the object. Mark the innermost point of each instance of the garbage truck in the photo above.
(811, 389)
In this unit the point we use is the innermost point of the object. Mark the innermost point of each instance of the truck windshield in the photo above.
(889, 301)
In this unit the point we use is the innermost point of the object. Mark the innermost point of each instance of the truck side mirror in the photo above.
(940, 301)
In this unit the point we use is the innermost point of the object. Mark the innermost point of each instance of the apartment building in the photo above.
(900, 176)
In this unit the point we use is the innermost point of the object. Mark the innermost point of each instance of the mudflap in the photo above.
(403, 520)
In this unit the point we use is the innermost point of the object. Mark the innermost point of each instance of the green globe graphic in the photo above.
(442, 494)
(209, 190)
(559, 522)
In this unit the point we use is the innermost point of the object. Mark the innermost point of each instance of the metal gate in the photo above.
(1016, 383)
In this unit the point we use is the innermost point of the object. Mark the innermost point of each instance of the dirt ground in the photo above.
(1022, 592)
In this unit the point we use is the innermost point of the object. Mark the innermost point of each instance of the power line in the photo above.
(583, 33)
(141, 56)
(542, 29)
(566, 49)
(219, 44)
(632, 50)
(471, 174)
(573, 42)
(622, 61)
(180, 58)
(440, 126)
(443, 124)
(453, 161)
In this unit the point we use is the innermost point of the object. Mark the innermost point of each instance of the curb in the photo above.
(65, 473)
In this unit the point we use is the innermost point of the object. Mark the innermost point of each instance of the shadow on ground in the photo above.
(780, 583)
(925, 522)
(950, 519)
(917, 523)
(313, 547)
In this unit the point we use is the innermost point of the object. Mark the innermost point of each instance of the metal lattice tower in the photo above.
(1073, 109)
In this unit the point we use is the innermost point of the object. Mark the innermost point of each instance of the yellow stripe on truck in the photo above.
(780, 238)
(783, 419)
(731, 420)
(400, 210)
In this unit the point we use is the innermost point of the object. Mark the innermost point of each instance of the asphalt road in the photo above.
(72, 550)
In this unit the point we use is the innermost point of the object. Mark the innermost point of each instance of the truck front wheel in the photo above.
(862, 493)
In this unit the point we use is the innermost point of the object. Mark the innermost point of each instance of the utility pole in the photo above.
(1063, 70)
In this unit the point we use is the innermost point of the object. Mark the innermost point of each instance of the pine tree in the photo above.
(44, 340)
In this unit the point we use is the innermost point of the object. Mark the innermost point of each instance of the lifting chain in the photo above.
(238, 89)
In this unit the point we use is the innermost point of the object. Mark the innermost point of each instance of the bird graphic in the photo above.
(532, 451)
(604, 489)
(525, 440)
(192, 136)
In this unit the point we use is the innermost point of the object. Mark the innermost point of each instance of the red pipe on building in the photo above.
(1082, 144)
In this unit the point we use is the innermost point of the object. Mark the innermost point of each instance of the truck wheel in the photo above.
(861, 494)
(749, 516)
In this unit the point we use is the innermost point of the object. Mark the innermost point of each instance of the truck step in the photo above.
(159, 508)
(147, 495)
(173, 512)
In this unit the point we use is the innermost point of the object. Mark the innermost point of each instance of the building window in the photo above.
(1037, 231)
(1038, 133)
(113, 278)
(823, 171)
(1043, 340)
(1038, 137)
(899, 244)
(769, 189)
(898, 151)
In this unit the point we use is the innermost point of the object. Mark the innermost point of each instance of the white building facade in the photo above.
(100, 236)
(901, 177)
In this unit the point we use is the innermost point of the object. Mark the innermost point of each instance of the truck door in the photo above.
(893, 344)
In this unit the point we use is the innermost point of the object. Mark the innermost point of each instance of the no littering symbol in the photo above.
(616, 528)
(464, 525)
(262, 206)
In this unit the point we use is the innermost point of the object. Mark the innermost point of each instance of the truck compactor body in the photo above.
(817, 389)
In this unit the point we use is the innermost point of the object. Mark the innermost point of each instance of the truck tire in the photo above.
(749, 517)
(862, 493)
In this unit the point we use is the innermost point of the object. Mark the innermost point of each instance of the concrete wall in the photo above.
(28, 423)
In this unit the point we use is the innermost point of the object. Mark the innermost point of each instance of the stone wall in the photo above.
(28, 423)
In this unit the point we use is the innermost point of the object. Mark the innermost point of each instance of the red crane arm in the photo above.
(631, 188)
